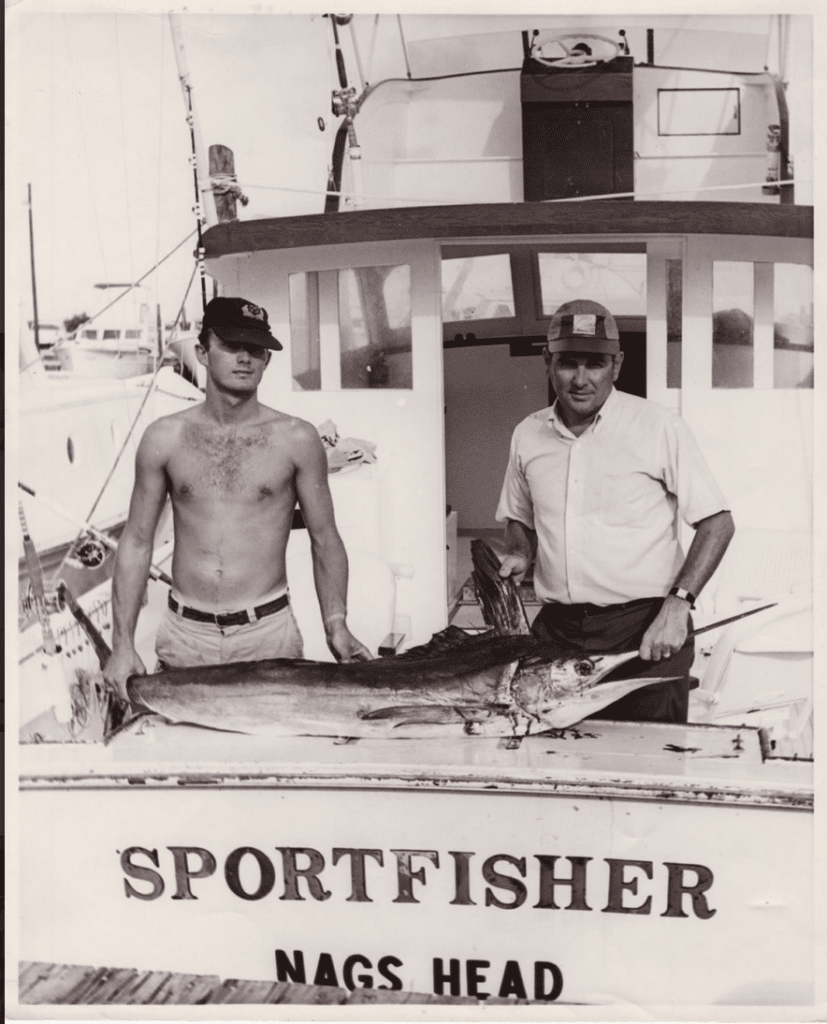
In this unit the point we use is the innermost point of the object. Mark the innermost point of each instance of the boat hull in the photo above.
(430, 866)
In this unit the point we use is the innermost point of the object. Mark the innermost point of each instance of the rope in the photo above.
(224, 184)
(572, 199)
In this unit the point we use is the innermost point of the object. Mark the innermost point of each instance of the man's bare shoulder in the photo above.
(166, 430)
(292, 427)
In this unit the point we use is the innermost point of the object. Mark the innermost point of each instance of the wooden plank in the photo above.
(186, 989)
(29, 973)
(313, 995)
(105, 986)
(503, 219)
(57, 984)
(240, 991)
(144, 988)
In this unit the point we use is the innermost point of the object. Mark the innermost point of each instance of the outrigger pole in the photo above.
(34, 284)
(204, 209)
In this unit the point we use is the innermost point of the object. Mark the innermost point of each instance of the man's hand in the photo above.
(122, 665)
(668, 632)
(515, 565)
(344, 646)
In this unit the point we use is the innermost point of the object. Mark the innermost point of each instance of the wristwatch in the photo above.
(684, 595)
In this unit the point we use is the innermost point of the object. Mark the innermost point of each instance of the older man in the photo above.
(234, 470)
(594, 487)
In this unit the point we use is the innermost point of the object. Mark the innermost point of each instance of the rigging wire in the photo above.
(160, 326)
(76, 93)
(123, 151)
(150, 388)
(356, 53)
(142, 278)
(404, 47)
(515, 202)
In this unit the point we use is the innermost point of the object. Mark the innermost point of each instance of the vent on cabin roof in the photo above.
(577, 128)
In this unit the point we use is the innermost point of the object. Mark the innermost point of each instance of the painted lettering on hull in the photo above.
(501, 882)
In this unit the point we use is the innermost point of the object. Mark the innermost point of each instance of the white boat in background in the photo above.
(476, 183)
(118, 343)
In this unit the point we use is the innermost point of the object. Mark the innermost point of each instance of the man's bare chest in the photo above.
(235, 465)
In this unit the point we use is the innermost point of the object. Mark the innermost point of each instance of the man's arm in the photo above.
(134, 556)
(668, 632)
(328, 551)
(520, 548)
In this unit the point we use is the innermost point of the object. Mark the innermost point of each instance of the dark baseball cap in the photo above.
(237, 320)
(583, 326)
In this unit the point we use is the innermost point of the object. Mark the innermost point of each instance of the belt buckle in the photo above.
(233, 619)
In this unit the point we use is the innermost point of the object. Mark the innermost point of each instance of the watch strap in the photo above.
(684, 595)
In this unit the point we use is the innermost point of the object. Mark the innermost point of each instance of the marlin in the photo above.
(477, 685)
(499, 683)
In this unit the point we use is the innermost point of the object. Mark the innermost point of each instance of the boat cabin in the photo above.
(421, 330)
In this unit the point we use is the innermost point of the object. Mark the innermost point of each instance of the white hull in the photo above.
(100, 362)
(241, 812)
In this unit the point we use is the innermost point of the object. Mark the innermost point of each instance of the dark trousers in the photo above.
(590, 629)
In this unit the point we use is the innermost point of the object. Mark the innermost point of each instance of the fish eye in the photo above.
(584, 667)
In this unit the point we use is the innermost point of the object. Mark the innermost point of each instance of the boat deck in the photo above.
(641, 761)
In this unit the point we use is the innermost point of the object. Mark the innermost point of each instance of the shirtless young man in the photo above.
(234, 470)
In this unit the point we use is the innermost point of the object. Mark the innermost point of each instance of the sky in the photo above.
(99, 130)
(95, 122)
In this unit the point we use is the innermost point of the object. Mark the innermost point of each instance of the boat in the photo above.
(119, 342)
(607, 863)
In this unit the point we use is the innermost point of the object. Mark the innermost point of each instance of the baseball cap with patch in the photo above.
(583, 326)
(237, 320)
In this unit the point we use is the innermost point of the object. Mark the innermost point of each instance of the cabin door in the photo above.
(363, 354)
(746, 373)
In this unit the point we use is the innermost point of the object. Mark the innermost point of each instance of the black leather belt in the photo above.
(229, 618)
(581, 610)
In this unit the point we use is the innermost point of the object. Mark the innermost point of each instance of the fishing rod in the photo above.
(202, 270)
(204, 208)
(35, 568)
(733, 618)
(344, 104)
(85, 527)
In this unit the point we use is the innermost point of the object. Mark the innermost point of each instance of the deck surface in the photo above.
(71, 985)
(718, 764)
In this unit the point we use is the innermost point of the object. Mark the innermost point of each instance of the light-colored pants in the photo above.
(182, 643)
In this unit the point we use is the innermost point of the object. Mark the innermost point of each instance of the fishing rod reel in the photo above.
(87, 553)
(343, 102)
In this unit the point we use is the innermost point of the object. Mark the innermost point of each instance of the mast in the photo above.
(34, 281)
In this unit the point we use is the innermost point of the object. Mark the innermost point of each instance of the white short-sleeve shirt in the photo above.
(605, 505)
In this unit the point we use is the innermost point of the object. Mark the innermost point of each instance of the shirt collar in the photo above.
(604, 412)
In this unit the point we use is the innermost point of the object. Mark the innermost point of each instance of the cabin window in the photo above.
(304, 331)
(351, 328)
(733, 303)
(91, 335)
(375, 327)
(699, 112)
(132, 334)
(793, 326)
(617, 280)
(674, 321)
(477, 288)
(111, 334)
